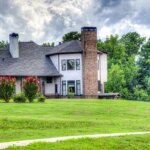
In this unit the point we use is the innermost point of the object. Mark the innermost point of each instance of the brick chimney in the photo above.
(14, 45)
(90, 76)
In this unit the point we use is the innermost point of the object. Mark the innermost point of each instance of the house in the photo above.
(75, 66)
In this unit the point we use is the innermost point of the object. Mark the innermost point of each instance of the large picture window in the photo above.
(70, 64)
(77, 64)
(64, 88)
(78, 87)
(63, 64)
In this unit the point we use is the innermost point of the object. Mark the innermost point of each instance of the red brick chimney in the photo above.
(90, 69)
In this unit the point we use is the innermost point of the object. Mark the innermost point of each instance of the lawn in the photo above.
(71, 117)
(132, 142)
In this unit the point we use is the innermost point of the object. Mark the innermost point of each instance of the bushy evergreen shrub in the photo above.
(20, 98)
(41, 99)
(7, 88)
(31, 88)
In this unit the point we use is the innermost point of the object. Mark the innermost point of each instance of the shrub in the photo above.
(7, 88)
(31, 87)
(41, 99)
(70, 93)
(140, 94)
(20, 98)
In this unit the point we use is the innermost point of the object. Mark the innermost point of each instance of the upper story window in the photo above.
(63, 64)
(77, 64)
(70, 64)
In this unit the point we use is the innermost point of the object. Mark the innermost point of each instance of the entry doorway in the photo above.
(71, 86)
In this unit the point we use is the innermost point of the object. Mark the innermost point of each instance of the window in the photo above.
(70, 64)
(77, 64)
(64, 88)
(78, 87)
(49, 80)
(63, 65)
(71, 86)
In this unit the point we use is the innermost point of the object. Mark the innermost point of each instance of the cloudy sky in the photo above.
(48, 20)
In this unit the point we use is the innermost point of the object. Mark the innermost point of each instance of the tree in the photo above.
(132, 42)
(48, 44)
(31, 87)
(122, 54)
(71, 36)
(7, 88)
(3, 44)
(116, 79)
(144, 67)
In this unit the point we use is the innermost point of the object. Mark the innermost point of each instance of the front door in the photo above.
(43, 87)
(56, 89)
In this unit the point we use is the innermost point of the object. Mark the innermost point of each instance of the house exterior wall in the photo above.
(71, 74)
(102, 71)
(18, 85)
(67, 75)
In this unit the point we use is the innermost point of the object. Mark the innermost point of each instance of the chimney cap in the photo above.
(89, 29)
(14, 34)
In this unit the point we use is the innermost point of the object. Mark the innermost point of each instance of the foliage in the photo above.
(127, 64)
(3, 44)
(7, 88)
(48, 44)
(31, 87)
(140, 94)
(20, 98)
(41, 99)
(70, 93)
(116, 79)
(71, 36)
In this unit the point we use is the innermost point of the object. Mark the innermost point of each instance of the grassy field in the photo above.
(140, 142)
(71, 117)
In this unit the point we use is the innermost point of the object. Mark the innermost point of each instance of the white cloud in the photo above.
(49, 20)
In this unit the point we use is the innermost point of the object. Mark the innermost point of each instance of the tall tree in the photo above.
(71, 36)
(3, 44)
(144, 67)
(132, 42)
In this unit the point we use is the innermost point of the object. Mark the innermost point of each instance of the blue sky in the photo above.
(49, 20)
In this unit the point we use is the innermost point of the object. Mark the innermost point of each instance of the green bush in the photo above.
(140, 94)
(20, 98)
(7, 88)
(70, 93)
(31, 87)
(41, 99)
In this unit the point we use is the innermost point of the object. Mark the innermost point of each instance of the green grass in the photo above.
(138, 142)
(71, 117)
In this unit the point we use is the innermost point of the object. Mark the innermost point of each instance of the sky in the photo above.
(48, 20)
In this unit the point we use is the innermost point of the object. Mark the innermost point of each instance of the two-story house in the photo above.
(75, 66)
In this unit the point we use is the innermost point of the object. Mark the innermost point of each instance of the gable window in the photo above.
(78, 87)
(49, 80)
(64, 88)
(77, 64)
(70, 64)
(63, 64)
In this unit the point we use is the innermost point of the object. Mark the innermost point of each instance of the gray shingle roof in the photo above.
(32, 61)
(73, 46)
